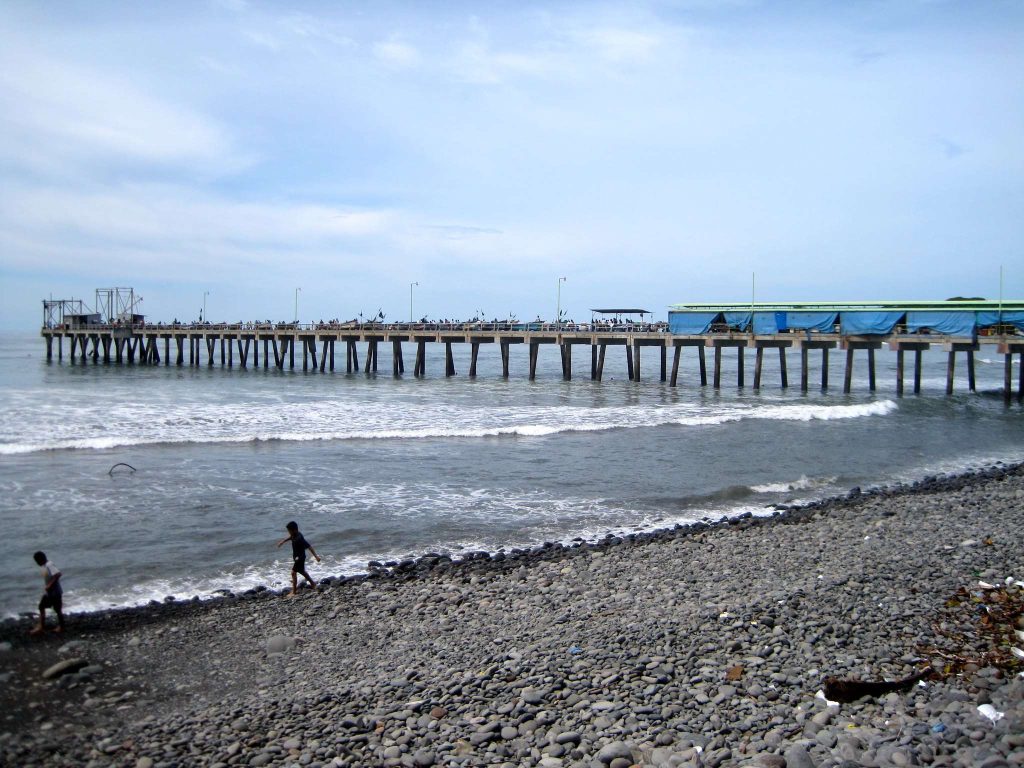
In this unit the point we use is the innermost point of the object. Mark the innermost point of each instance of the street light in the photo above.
(297, 305)
(204, 315)
(410, 302)
(558, 317)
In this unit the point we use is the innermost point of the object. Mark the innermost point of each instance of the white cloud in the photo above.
(621, 45)
(396, 53)
(79, 114)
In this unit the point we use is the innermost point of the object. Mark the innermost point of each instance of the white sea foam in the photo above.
(329, 420)
(802, 484)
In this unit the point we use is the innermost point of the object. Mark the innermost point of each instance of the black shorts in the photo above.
(51, 601)
(299, 566)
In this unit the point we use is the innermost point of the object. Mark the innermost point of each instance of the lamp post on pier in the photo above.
(297, 305)
(558, 317)
(204, 316)
(410, 302)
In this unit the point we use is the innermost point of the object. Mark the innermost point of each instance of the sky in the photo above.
(344, 157)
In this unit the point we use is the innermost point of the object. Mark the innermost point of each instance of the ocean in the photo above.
(378, 468)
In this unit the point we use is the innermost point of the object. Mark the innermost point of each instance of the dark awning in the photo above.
(621, 311)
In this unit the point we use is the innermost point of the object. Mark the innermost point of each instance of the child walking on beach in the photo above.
(299, 547)
(53, 594)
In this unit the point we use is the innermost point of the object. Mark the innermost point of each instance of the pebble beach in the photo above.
(703, 645)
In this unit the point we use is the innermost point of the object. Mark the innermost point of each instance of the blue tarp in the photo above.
(738, 320)
(822, 322)
(868, 323)
(769, 322)
(947, 323)
(1015, 318)
(690, 323)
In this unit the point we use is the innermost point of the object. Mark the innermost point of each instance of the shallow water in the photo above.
(377, 468)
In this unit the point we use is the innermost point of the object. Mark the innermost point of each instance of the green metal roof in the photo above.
(852, 306)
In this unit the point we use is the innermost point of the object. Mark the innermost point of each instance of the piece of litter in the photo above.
(986, 585)
(922, 684)
(990, 712)
(1019, 633)
(938, 728)
(1017, 652)
(821, 695)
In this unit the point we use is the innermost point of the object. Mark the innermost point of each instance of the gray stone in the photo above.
(64, 668)
(532, 696)
(615, 749)
(423, 758)
(278, 644)
(798, 757)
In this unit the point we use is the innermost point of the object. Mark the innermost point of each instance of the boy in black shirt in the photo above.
(299, 547)
(52, 594)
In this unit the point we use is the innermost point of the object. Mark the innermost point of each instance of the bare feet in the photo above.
(36, 630)
(58, 630)
(292, 594)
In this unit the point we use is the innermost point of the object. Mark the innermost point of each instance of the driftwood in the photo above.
(120, 464)
(846, 691)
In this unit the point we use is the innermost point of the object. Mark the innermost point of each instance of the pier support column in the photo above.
(330, 343)
(323, 355)
(106, 348)
(636, 361)
(824, 367)
(567, 362)
(593, 362)
(474, 350)
(871, 369)
(849, 370)
(783, 373)
(739, 367)
(449, 361)
(901, 347)
(1008, 376)
(421, 358)
(534, 346)
(675, 366)
(60, 348)
(950, 366)
(266, 354)
(718, 368)
(629, 363)
(600, 361)
(664, 362)
(291, 352)
(255, 351)
(970, 370)
(758, 360)
(504, 358)
(167, 350)
(803, 368)
(397, 366)
(49, 348)
(703, 366)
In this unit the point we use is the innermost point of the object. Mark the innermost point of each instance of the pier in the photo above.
(353, 347)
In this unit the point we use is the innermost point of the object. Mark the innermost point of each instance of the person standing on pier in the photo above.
(299, 547)
(53, 594)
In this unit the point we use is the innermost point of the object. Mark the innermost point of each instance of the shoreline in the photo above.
(700, 645)
(424, 564)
